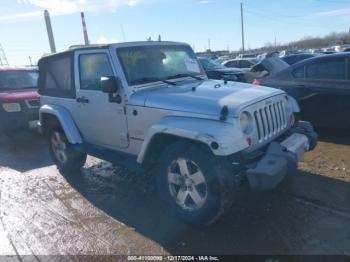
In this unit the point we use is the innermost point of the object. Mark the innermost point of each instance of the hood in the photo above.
(206, 98)
(18, 95)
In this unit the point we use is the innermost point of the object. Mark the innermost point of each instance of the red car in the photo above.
(19, 100)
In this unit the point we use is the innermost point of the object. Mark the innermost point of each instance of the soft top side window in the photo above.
(56, 77)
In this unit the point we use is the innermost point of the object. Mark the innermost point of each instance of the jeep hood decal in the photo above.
(208, 98)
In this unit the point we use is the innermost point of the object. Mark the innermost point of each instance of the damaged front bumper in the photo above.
(281, 158)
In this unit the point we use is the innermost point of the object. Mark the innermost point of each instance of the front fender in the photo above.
(66, 121)
(293, 104)
(228, 136)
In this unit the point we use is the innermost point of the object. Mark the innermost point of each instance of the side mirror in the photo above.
(110, 84)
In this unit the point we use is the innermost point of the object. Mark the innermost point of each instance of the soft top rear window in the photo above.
(56, 75)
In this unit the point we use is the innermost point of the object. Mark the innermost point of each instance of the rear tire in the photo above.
(66, 158)
(192, 184)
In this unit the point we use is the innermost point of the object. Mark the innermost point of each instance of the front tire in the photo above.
(66, 158)
(192, 184)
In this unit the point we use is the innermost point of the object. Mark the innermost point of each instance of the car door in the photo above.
(292, 81)
(100, 121)
(329, 105)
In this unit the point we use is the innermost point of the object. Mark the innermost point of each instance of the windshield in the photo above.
(16, 79)
(145, 64)
(210, 64)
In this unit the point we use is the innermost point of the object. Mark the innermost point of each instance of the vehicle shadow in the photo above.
(283, 221)
(334, 136)
(23, 151)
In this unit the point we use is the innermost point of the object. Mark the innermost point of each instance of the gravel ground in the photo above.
(107, 210)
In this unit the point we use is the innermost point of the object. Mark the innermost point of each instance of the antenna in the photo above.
(3, 58)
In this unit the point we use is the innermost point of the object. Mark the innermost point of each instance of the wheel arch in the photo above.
(58, 115)
(160, 140)
(220, 138)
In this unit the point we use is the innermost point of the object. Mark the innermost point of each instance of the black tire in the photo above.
(74, 159)
(219, 184)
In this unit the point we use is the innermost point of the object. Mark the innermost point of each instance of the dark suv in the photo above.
(19, 100)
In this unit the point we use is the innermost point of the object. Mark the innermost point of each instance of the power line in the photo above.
(273, 18)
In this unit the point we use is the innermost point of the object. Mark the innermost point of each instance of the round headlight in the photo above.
(12, 107)
(246, 122)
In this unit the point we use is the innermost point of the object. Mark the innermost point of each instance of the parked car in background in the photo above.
(246, 56)
(217, 71)
(327, 52)
(292, 59)
(284, 53)
(268, 65)
(19, 100)
(322, 87)
(221, 59)
(158, 111)
(244, 63)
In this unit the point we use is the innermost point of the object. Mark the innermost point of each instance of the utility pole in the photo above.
(209, 44)
(275, 43)
(30, 61)
(3, 58)
(49, 31)
(242, 25)
(123, 32)
(86, 38)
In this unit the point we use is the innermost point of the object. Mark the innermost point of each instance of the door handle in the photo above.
(82, 100)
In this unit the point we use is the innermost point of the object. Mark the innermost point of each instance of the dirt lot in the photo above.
(110, 211)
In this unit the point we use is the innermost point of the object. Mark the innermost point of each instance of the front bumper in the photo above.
(281, 158)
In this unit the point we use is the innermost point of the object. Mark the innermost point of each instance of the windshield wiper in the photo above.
(185, 75)
(145, 80)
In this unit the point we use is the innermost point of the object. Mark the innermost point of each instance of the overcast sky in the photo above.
(23, 31)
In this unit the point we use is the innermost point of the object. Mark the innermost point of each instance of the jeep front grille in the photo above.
(270, 120)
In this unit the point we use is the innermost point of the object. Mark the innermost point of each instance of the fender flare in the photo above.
(228, 136)
(65, 119)
(293, 104)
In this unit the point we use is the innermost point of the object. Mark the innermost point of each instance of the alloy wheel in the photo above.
(187, 184)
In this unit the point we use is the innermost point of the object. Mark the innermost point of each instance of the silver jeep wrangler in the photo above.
(150, 107)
